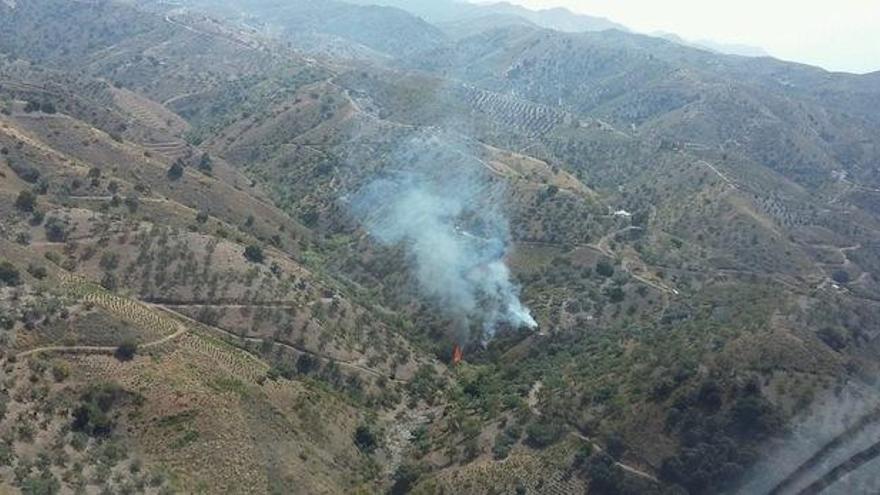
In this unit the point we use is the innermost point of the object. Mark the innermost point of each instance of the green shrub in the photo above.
(47, 107)
(605, 476)
(109, 261)
(92, 416)
(832, 337)
(604, 269)
(175, 172)
(44, 484)
(505, 441)
(365, 439)
(39, 272)
(254, 254)
(615, 446)
(841, 277)
(544, 432)
(126, 351)
(26, 201)
(9, 275)
(25, 172)
(206, 164)
(616, 295)
(405, 478)
(60, 370)
(56, 230)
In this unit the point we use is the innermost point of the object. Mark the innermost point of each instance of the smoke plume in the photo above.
(440, 203)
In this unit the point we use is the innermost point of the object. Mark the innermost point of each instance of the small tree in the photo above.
(26, 201)
(9, 275)
(95, 176)
(56, 230)
(206, 164)
(841, 277)
(126, 350)
(405, 478)
(93, 415)
(616, 295)
(176, 170)
(543, 433)
(307, 364)
(604, 269)
(365, 439)
(605, 475)
(24, 171)
(132, 202)
(833, 338)
(615, 445)
(254, 254)
(38, 271)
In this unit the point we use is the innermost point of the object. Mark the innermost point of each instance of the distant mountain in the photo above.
(560, 19)
(714, 46)
(463, 28)
(733, 48)
(446, 11)
(430, 10)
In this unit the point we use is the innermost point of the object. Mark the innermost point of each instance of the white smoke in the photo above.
(442, 206)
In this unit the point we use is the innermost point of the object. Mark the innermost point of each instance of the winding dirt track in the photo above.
(626, 467)
(84, 349)
(182, 329)
(343, 364)
(533, 406)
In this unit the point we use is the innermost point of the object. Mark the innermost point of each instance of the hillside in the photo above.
(241, 240)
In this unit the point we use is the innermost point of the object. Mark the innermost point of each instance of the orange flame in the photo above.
(457, 355)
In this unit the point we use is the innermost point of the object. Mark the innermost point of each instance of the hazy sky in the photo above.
(837, 35)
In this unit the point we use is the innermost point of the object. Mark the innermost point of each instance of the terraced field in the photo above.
(520, 471)
(150, 113)
(172, 149)
(530, 118)
(134, 311)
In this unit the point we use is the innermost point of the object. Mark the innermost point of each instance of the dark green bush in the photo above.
(175, 172)
(832, 337)
(405, 478)
(9, 275)
(56, 230)
(544, 432)
(126, 351)
(841, 277)
(26, 201)
(254, 254)
(93, 415)
(365, 439)
(604, 269)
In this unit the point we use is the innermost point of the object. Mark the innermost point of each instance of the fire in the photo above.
(457, 355)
